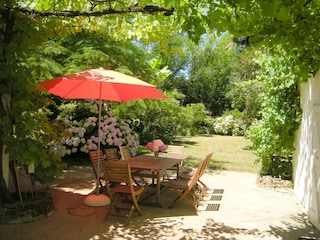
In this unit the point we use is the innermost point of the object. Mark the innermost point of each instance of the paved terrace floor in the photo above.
(239, 209)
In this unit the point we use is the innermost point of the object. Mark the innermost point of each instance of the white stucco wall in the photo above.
(306, 178)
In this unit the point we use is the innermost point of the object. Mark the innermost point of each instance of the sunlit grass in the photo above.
(229, 153)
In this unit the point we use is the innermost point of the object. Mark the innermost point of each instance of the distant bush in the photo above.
(232, 123)
(164, 119)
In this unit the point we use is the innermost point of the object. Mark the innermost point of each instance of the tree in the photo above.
(209, 75)
(201, 71)
(244, 90)
(91, 49)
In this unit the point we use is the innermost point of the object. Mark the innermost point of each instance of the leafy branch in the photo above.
(149, 9)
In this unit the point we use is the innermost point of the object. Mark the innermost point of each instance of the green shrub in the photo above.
(277, 166)
(162, 119)
(230, 123)
(273, 134)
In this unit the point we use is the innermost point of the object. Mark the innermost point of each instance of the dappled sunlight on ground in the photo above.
(246, 212)
(176, 228)
(67, 181)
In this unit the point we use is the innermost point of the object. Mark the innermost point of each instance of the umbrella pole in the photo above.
(99, 145)
(97, 199)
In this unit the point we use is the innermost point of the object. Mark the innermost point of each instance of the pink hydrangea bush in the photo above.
(82, 136)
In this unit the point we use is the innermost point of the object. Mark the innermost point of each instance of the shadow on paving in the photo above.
(292, 232)
(73, 220)
(182, 223)
(173, 228)
(166, 228)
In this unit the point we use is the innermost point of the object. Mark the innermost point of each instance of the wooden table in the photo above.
(148, 162)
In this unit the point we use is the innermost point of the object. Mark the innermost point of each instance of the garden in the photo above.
(224, 77)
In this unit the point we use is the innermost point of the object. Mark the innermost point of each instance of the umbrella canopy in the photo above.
(101, 84)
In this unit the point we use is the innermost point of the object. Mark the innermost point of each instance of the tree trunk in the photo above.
(6, 31)
(5, 105)
(4, 192)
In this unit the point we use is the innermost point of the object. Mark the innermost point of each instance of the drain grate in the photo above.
(213, 207)
(216, 198)
(218, 191)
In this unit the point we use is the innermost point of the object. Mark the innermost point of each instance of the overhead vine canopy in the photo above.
(292, 25)
(121, 19)
(284, 22)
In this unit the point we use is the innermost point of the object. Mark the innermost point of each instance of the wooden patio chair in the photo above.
(187, 187)
(97, 157)
(175, 149)
(125, 154)
(121, 173)
(201, 186)
(111, 154)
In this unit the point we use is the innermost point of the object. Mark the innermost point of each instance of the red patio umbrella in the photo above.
(101, 84)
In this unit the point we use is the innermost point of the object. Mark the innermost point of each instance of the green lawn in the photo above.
(229, 153)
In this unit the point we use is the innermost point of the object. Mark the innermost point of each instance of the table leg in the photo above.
(152, 178)
(158, 186)
(157, 190)
(178, 170)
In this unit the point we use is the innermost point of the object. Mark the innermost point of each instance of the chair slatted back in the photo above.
(201, 186)
(97, 162)
(115, 172)
(175, 149)
(200, 171)
(125, 152)
(194, 179)
(96, 157)
(206, 163)
(111, 154)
